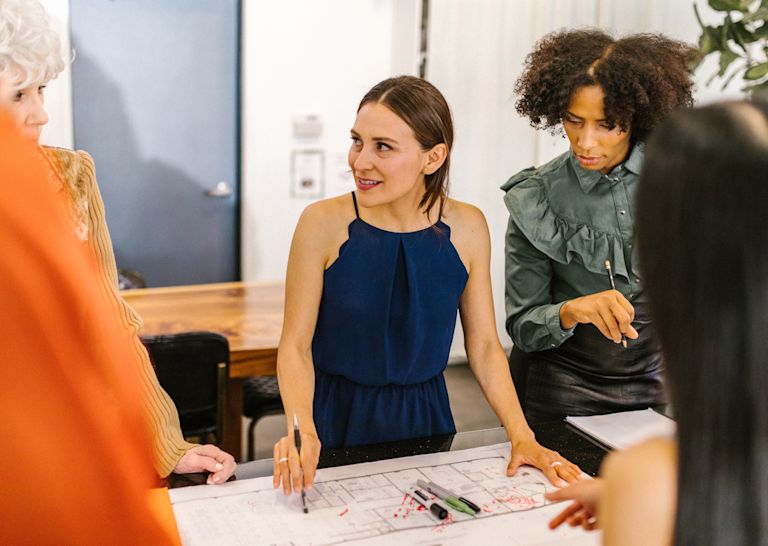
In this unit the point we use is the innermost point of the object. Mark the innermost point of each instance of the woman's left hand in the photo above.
(555, 467)
(207, 458)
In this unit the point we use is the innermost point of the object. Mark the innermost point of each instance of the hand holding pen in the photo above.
(609, 311)
(295, 459)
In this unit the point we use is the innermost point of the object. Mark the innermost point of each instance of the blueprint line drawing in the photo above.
(360, 503)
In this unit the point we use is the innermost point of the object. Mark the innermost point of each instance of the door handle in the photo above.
(221, 189)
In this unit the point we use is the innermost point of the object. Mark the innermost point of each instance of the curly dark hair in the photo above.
(644, 77)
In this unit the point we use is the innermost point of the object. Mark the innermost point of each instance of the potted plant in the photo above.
(741, 41)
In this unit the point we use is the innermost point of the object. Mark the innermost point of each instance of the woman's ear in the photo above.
(435, 158)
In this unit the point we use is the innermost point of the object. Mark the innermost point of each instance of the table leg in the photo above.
(232, 442)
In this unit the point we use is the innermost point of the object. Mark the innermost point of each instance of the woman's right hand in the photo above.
(609, 311)
(289, 469)
(583, 510)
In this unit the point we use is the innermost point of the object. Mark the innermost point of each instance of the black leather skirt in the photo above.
(590, 374)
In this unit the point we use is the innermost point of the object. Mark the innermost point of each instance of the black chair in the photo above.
(261, 397)
(192, 367)
(128, 279)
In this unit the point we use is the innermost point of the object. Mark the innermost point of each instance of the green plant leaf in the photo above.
(709, 40)
(761, 14)
(724, 34)
(756, 72)
(726, 58)
(740, 34)
(734, 40)
(729, 5)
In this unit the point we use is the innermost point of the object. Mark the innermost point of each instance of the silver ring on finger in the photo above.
(555, 464)
(282, 460)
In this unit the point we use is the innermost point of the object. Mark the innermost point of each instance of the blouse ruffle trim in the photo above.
(558, 238)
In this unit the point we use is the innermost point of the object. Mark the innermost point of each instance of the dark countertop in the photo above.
(557, 435)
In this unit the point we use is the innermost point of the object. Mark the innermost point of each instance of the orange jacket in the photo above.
(77, 457)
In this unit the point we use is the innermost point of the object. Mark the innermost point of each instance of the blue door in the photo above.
(156, 103)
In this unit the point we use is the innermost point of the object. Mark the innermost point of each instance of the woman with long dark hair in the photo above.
(703, 243)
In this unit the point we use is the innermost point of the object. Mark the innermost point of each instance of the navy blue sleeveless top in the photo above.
(384, 329)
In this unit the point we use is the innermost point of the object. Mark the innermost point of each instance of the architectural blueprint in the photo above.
(367, 504)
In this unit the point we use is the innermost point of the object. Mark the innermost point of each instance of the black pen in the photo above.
(423, 499)
(613, 287)
(297, 441)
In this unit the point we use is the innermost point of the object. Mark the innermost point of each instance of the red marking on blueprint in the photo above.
(344, 512)
(412, 504)
(520, 501)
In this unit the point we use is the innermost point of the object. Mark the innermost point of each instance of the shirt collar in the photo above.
(588, 179)
(634, 162)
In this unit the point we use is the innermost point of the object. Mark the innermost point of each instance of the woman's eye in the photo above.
(41, 89)
(355, 141)
(380, 146)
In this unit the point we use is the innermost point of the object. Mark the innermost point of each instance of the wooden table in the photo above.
(249, 315)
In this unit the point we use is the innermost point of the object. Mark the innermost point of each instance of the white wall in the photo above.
(58, 95)
(307, 57)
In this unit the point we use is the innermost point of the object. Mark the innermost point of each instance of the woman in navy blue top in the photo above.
(373, 284)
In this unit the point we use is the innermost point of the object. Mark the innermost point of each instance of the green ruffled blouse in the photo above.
(564, 222)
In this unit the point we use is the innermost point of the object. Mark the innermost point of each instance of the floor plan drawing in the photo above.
(369, 503)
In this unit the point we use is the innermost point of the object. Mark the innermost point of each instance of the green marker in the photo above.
(456, 504)
(445, 495)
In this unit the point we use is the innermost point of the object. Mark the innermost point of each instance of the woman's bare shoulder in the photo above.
(331, 212)
(640, 487)
(463, 216)
(469, 232)
(324, 226)
(657, 456)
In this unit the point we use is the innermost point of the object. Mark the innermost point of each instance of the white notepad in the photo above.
(624, 429)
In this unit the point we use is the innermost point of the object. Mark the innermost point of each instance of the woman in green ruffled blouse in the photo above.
(581, 346)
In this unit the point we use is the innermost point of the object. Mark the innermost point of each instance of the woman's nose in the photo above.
(586, 139)
(362, 160)
(37, 114)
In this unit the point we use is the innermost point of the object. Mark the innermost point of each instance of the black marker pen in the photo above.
(423, 499)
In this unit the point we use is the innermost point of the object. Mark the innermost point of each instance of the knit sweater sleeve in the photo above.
(168, 444)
